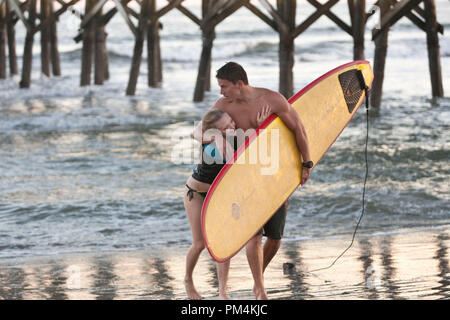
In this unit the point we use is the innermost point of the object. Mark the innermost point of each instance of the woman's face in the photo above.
(226, 125)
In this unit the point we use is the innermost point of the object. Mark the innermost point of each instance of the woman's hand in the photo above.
(263, 115)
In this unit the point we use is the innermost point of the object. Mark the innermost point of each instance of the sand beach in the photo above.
(409, 264)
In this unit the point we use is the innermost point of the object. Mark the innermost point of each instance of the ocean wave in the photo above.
(263, 48)
(221, 50)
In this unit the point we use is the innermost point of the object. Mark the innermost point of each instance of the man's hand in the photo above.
(263, 115)
(305, 175)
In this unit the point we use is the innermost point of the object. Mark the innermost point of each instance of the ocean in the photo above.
(89, 169)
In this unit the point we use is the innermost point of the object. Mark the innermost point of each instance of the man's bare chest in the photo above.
(245, 116)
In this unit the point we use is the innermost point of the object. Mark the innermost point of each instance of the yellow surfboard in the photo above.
(266, 169)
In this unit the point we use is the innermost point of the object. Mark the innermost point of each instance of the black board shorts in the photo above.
(274, 228)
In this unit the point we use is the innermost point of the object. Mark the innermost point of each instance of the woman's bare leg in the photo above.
(193, 210)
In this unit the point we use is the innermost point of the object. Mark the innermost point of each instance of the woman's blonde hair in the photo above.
(210, 118)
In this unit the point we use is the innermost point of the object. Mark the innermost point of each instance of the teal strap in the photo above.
(211, 154)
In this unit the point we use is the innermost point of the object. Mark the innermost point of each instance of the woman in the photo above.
(217, 124)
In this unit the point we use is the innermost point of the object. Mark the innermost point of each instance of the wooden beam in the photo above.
(87, 52)
(89, 15)
(189, 14)
(213, 14)
(138, 48)
(434, 56)
(61, 2)
(422, 13)
(45, 39)
(109, 15)
(333, 18)
(125, 16)
(28, 48)
(154, 61)
(13, 67)
(282, 27)
(104, 19)
(357, 10)
(286, 47)
(201, 84)
(56, 61)
(261, 15)
(217, 6)
(312, 18)
(226, 12)
(167, 8)
(416, 18)
(100, 54)
(395, 14)
(16, 7)
(381, 45)
(131, 12)
(3, 19)
(54, 17)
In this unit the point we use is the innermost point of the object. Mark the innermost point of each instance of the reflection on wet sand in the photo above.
(104, 287)
(444, 272)
(163, 281)
(410, 265)
(54, 281)
(12, 283)
(368, 269)
(387, 261)
(293, 271)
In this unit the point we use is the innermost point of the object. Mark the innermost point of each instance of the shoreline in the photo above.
(408, 264)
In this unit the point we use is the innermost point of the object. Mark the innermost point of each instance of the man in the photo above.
(245, 104)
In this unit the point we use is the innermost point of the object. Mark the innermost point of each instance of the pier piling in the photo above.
(3, 41)
(42, 17)
(434, 56)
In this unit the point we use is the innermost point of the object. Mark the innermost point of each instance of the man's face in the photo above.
(228, 89)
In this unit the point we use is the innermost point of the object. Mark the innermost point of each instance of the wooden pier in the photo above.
(42, 17)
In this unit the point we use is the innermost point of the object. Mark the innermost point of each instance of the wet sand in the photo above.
(410, 264)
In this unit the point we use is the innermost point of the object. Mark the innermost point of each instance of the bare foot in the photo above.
(223, 296)
(190, 290)
(260, 294)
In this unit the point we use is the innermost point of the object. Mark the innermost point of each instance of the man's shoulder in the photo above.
(275, 99)
(270, 94)
(222, 104)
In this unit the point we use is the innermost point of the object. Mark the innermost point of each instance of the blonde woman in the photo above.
(217, 125)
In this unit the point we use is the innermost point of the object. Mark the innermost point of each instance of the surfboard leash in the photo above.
(366, 90)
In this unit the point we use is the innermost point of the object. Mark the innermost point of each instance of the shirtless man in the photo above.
(246, 104)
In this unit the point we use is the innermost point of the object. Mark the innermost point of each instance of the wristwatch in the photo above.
(308, 164)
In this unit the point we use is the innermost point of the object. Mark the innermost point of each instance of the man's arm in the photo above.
(291, 119)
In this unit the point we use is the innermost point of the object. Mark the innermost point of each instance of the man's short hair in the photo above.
(233, 72)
